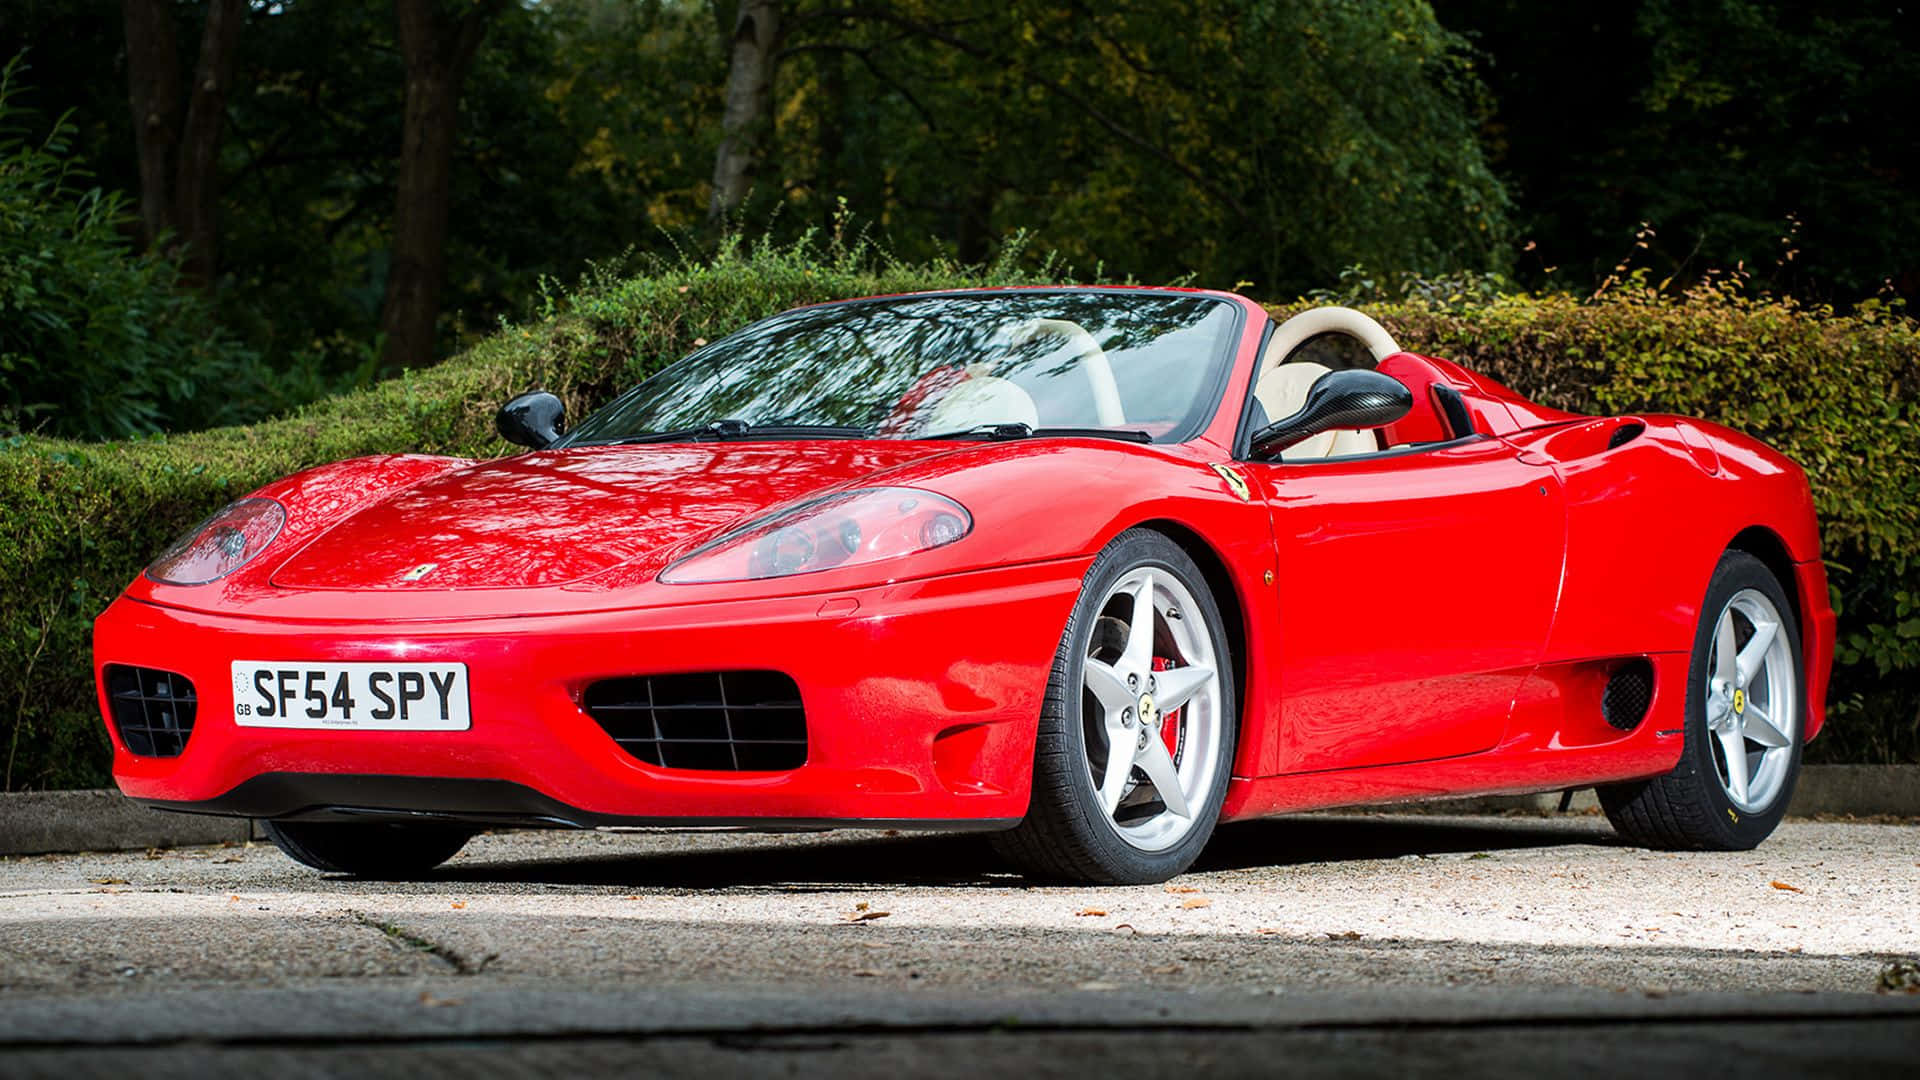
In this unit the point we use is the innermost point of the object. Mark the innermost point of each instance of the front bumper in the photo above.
(921, 700)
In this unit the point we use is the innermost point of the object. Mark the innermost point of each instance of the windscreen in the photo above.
(940, 365)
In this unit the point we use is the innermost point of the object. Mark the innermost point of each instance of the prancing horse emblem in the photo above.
(419, 572)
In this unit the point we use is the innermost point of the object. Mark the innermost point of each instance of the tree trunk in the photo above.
(153, 93)
(438, 54)
(756, 33)
(196, 181)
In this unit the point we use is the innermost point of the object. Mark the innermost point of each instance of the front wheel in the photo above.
(1136, 735)
(1745, 700)
(392, 852)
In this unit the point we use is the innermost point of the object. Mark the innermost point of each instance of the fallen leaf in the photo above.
(1345, 935)
(1181, 889)
(1164, 969)
(1268, 930)
(1197, 902)
(861, 915)
(1784, 887)
(1127, 926)
(432, 1002)
(861, 906)
(459, 904)
(1091, 911)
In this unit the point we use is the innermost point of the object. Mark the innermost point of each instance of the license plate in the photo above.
(350, 697)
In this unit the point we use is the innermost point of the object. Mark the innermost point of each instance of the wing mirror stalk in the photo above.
(532, 420)
(1356, 398)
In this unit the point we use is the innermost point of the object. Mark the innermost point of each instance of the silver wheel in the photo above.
(1752, 702)
(1151, 709)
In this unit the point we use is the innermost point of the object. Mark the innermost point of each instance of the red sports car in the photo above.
(1093, 569)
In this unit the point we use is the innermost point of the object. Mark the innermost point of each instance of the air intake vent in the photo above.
(724, 720)
(153, 710)
(1629, 692)
(1625, 434)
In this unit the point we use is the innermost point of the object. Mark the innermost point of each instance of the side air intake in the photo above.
(1628, 695)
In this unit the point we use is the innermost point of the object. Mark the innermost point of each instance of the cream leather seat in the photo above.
(1283, 390)
(980, 401)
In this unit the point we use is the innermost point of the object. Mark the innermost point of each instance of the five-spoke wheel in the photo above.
(1137, 730)
(1744, 700)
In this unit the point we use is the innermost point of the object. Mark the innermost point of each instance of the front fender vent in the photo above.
(151, 709)
(730, 721)
(1628, 695)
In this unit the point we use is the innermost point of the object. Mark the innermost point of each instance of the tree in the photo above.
(438, 49)
(179, 163)
(1237, 140)
(1727, 125)
(755, 37)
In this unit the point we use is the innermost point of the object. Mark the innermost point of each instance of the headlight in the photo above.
(849, 528)
(221, 544)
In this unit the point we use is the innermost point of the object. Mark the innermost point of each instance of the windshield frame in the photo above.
(1214, 390)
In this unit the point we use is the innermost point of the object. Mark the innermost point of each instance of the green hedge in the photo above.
(1838, 393)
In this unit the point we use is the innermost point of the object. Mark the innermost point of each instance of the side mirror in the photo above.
(1356, 398)
(532, 419)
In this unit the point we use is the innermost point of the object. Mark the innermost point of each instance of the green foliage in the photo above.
(1757, 132)
(1239, 140)
(80, 520)
(96, 341)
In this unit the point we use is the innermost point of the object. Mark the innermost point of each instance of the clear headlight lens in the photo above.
(221, 544)
(849, 528)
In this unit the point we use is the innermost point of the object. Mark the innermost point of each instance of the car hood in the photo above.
(554, 517)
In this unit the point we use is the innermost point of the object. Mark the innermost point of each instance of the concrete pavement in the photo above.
(1340, 942)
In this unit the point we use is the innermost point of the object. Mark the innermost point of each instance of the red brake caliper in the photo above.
(1170, 726)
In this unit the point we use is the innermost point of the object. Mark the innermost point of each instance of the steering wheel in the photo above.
(1313, 322)
(1091, 357)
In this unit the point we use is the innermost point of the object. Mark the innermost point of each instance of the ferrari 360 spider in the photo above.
(1090, 568)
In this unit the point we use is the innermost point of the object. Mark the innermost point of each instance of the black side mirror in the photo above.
(532, 419)
(1356, 398)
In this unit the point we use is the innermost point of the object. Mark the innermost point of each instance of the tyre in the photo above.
(1746, 697)
(1136, 735)
(369, 850)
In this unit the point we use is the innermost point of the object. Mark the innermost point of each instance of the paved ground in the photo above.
(1341, 942)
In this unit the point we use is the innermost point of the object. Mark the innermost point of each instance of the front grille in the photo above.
(153, 710)
(746, 721)
(1629, 692)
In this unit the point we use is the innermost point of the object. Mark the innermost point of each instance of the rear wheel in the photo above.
(1136, 732)
(368, 849)
(1745, 701)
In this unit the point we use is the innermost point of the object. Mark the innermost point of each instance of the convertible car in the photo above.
(1092, 569)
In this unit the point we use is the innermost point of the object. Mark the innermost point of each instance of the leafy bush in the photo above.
(1837, 393)
(97, 341)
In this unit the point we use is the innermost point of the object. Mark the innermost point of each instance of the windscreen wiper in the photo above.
(997, 432)
(737, 430)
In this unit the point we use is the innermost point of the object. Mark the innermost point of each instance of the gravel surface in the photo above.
(1319, 901)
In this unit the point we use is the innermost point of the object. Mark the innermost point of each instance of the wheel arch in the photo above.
(1233, 608)
(1766, 545)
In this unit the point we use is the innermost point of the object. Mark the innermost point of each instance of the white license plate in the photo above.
(350, 697)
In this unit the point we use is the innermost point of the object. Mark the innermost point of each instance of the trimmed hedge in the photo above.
(1838, 393)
